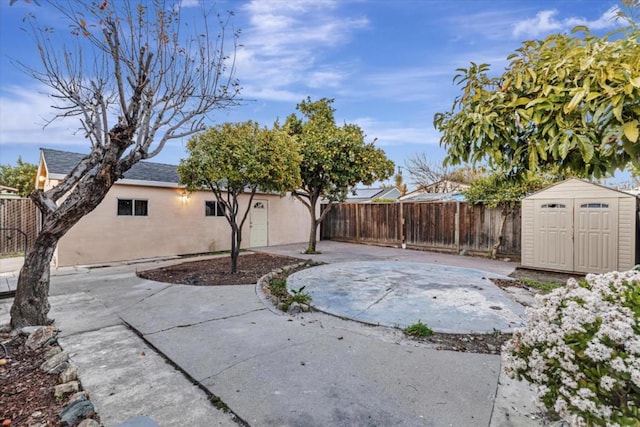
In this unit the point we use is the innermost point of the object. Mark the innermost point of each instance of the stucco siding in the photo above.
(173, 226)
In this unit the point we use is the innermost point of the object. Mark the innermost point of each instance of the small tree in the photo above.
(497, 190)
(237, 158)
(564, 100)
(22, 176)
(136, 78)
(334, 159)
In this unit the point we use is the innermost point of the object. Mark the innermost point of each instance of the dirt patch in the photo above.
(26, 393)
(468, 343)
(217, 271)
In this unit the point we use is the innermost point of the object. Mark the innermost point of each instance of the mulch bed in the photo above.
(26, 393)
(217, 271)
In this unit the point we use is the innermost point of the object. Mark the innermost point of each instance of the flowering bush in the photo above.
(581, 348)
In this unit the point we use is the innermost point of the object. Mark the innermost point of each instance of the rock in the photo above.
(77, 396)
(77, 410)
(36, 414)
(40, 336)
(294, 308)
(281, 306)
(89, 422)
(62, 390)
(52, 351)
(54, 362)
(69, 374)
(305, 308)
(28, 330)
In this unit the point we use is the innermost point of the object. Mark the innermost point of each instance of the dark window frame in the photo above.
(135, 207)
(214, 208)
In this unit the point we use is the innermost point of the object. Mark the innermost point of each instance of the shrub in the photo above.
(581, 348)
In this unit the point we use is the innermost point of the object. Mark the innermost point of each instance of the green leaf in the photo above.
(631, 130)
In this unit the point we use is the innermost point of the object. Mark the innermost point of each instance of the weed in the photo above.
(419, 330)
(278, 287)
(298, 296)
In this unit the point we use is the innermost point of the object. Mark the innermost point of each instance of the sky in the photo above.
(388, 64)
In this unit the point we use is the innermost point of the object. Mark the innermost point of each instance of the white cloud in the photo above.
(546, 22)
(25, 111)
(285, 42)
(391, 133)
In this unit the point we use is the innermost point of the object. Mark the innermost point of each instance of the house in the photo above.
(8, 192)
(578, 226)
(370, 195)
(440, 191)
(148, 214)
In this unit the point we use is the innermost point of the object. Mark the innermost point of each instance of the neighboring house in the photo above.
(420, 196)
(370, 195)
(147, 214)
(8, 192)
(440, 191)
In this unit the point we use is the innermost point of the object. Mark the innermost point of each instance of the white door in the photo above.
(553, 239)
(596, 238)
(259, 224)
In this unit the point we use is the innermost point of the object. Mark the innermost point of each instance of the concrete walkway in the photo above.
(269, 369)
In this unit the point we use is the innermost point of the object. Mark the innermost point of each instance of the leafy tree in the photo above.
(22, 176)
(334, 159)
(398, 182)
(425, 172)
(238, 158)
(497, 190)
(136, 77)
(564, 100)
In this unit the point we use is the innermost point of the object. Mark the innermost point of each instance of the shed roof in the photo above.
(62, 162)
(577, 188)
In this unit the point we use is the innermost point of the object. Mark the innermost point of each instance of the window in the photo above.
(553, 206)
(213, 208)
(258, 205)
(130, 207)
(594, 206)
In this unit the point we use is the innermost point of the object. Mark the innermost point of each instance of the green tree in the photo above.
(136, 77)
(566, 100)
(497, 190)
(334, 159)
(22, 176)
(237, 158)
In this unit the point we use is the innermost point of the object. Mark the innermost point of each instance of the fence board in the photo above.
(447, 226)
(17, 214)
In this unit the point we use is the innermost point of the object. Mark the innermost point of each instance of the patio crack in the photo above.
(246, 359)
(389, 290)
(188, 325)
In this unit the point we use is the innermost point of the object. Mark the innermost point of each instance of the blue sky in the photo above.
(388, 64)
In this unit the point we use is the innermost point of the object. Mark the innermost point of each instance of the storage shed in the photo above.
(578, 226)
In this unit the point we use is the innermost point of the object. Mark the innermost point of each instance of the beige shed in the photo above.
(578, 226)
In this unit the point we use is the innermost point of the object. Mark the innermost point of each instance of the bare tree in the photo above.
(425, 173)
(136, 77)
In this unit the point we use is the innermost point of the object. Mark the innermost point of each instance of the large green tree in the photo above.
(22, 176)
(136, 76)
(334, 159)
(566, 100)
(240, 158)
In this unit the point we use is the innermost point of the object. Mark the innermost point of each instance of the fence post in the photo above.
(403, 245)
(357, 223)
(457, 231)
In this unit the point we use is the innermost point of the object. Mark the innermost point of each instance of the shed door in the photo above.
(553, 238)
(259, 224)
(596, 237)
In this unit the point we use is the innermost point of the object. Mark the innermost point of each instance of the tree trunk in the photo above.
(311, 247)
(506, 212)
(31, 304)
(236, 239)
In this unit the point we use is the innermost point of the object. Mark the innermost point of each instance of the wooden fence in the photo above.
(441, 226)
(18, 225)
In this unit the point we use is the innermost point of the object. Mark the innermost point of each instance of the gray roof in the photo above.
(62, 162)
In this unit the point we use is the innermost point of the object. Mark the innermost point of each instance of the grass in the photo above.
(418, 330)
(545, 287)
